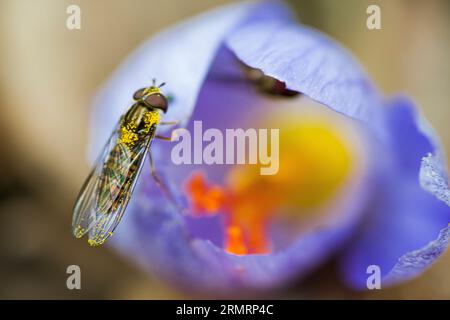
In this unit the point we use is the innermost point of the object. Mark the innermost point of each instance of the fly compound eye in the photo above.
(158, 101)
(139, 94)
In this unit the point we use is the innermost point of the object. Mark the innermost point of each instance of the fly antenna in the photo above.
(161, 85)
(153, 82)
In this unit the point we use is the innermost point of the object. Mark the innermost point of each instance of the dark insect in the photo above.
(267, 84)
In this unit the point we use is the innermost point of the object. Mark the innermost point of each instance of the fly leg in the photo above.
(158, 136)
(173, 134)
(174, 122)
(170, 123)
(162, 185)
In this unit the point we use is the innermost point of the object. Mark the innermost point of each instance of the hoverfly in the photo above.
(107, 190)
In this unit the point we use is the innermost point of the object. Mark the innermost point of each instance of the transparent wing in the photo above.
(108, 188)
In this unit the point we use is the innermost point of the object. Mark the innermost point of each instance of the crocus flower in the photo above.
(359, 174)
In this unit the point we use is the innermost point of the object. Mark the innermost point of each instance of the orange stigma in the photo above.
(204, 199)
(245, 227)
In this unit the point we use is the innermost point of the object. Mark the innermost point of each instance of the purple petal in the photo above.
(308, 62)
(407, 228)
(415, 262)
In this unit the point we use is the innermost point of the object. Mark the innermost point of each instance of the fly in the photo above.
(107, 190)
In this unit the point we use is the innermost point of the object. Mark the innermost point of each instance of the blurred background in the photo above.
(48, 75)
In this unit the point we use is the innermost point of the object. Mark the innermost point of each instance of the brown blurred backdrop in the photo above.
(48, 75)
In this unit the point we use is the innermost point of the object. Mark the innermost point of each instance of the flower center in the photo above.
(315, 162)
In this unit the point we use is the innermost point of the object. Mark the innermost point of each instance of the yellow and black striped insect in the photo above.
(105, 193)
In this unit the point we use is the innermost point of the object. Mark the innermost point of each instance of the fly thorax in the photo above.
(137, 124)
